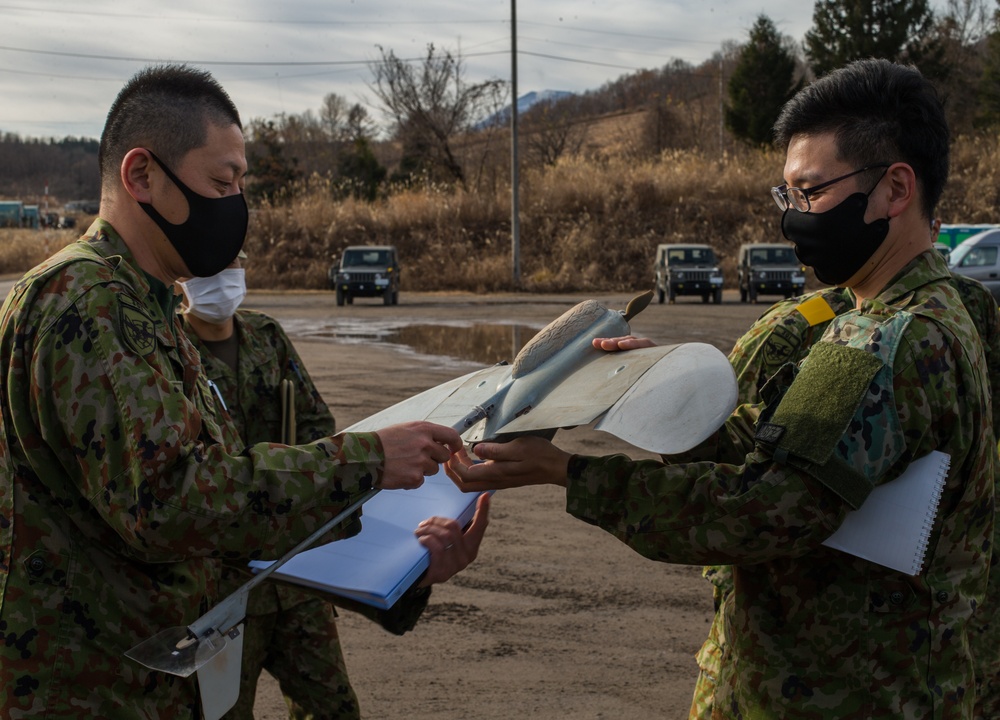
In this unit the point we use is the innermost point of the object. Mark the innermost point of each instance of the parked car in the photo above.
(687, 269)
(366, 271)
(769, 269)
(979, 257)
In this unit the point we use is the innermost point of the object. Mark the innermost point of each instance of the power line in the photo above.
(230, 63)
(623, 34)
(248, 21)
(592, 47)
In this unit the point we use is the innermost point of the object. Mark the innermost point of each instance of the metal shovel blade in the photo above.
(174, 651)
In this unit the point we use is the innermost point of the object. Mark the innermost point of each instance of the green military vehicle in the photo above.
(366, 271)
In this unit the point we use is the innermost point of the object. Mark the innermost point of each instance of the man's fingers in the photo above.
(477, 528)
(446, 437)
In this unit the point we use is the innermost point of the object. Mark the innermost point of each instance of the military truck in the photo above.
(769, 269)
(366, 271)
(687, 269)
(11, 213)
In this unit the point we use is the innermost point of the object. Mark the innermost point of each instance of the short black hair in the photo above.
(166, 108)
(879, 111)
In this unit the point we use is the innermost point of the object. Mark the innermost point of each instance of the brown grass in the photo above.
(21, 249)
(586, 224)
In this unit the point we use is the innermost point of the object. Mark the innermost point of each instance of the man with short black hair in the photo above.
(810, 631)
(123, 483)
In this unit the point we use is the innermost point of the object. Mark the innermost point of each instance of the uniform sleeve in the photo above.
(143, 451)
(761, 509)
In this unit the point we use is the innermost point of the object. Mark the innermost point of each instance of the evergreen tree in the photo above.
(271, 171)
(989, 83)
(761, 83)
(846, 30)
(360, 172)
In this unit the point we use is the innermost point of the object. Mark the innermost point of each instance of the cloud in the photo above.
(61, 63)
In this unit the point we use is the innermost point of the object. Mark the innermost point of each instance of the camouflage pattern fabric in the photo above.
(119, 496)
(807, 631)
(784, 334)
(290, 632)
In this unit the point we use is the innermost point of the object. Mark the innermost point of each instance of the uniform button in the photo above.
(942, 596)
(36, 565)
(896, 598)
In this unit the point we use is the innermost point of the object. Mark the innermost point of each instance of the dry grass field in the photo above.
(589, 224)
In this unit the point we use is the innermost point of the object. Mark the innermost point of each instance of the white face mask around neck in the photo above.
(215, 298)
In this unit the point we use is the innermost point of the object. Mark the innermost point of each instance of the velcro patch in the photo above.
(768, 432)
(820, 404)
(816, 310)
(137, 328)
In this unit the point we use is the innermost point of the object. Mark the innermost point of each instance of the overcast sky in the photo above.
(63, 61)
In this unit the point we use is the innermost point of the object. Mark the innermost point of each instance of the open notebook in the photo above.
(380, 563)
(893, 525)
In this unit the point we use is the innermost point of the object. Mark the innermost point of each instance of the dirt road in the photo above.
(556, 619)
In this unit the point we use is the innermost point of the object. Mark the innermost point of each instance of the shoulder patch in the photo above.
(781, 345)
(136, 327)
(816, 310)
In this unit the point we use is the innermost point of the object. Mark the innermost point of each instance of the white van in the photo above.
(979, 257)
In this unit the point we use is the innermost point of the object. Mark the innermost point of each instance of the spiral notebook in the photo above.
(892, 527)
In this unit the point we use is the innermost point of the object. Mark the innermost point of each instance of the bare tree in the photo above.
(333, 116)
(551, 131)
(961, 34)
(431, 104)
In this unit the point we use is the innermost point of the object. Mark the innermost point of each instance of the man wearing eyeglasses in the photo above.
(810, 631)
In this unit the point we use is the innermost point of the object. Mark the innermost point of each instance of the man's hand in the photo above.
(527, 460)
(451, 549)
(414, 450)
(626, 342)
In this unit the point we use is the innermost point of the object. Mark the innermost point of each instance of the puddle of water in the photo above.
(481, 343)
(486, 344)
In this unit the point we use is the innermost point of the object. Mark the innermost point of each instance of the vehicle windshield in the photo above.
(772, 256)
(973, 250)
(373, 258)
(690, 256)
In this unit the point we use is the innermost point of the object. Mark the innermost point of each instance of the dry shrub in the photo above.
(587, 225)
(22, 249)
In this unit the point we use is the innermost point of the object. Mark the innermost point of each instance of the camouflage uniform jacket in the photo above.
(251, 394)
(811, 632)
(118, 494)
(266, 357)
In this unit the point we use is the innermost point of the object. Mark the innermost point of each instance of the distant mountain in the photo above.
(533, 98)
(524, 103)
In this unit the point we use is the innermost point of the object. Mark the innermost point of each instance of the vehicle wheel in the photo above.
(743, 294)
(704, 297)
(395, 297)
(663, 295)
(387, 297)
(340, 297)
(752, 293)
(350, 300)
(718, 296)
(673, 296)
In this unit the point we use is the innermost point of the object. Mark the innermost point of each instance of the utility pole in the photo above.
(722, 113)
(515, 220)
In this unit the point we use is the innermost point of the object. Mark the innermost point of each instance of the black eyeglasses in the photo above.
(798, 198)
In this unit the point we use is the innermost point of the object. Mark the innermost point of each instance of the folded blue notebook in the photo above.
(380, 563)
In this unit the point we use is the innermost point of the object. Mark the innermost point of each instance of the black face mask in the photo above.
(836, 243)
(213, 234)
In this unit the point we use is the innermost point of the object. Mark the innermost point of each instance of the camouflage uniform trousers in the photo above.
(709, 659)
(300, 647)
